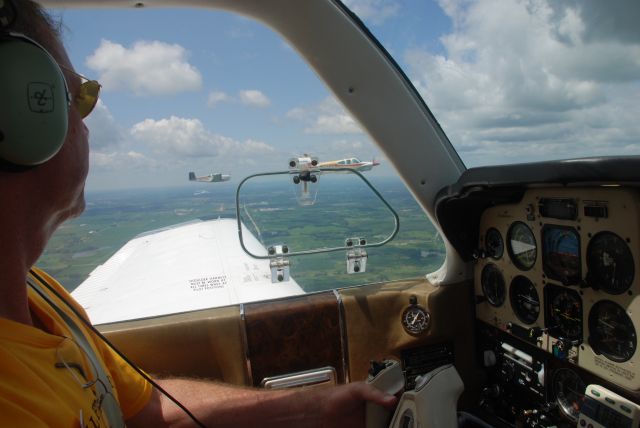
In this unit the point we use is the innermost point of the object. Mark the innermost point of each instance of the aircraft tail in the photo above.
(192, 176)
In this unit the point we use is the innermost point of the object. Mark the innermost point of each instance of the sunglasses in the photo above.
(87, 97)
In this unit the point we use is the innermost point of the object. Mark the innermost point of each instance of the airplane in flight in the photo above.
(305, 170)
(211, 178)
(539, 336)
(353, 163)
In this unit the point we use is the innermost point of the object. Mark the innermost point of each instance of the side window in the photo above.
(182, 120)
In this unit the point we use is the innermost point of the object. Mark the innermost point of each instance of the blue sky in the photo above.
(509, 80)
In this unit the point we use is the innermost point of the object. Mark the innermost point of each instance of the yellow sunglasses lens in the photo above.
(87, 97)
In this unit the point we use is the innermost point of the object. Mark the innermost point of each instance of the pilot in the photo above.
(55, 370)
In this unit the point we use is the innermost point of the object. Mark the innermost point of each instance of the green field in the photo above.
(341, 210)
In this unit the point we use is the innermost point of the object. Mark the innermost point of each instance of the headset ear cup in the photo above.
(34, 103)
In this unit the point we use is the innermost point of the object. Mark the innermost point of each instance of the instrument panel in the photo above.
(559, 270)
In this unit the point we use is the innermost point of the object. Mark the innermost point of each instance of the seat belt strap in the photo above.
(111, 408)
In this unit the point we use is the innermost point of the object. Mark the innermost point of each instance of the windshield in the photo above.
(514, 81)
(184, 117)
(223, 97)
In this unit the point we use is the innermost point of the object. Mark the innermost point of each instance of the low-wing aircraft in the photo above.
(305, 170)
(211, 178)
(353, 163)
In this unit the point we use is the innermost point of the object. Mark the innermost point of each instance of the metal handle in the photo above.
(321, 376)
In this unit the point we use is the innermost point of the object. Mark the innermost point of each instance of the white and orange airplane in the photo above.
(353, 163)
(211, 178)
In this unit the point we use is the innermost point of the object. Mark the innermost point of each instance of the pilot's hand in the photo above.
(344, 405)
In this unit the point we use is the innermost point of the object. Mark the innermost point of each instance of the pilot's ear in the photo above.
(34, 102)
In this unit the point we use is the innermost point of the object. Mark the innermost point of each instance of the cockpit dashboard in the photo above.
(558, 269)
(555, 249)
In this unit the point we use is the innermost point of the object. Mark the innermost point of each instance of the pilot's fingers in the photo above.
(370, 393)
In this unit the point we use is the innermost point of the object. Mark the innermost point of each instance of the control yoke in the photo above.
(431, 404)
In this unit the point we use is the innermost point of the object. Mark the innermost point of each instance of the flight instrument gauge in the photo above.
(521, 245)
(568, 389)
(561, 254)
(415, 319)
(610, 263)
(493, 243)
(524, 299)
(492, 283)
(564, 313)
(611, 331)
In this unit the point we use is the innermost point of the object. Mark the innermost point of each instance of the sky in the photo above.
(509, 81)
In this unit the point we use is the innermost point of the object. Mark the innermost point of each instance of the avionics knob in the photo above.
(562, 347)
(489, 358)
(508, 371)
(536, 332)
(492, 391)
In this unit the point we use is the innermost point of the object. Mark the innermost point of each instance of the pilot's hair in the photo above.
(34, 22)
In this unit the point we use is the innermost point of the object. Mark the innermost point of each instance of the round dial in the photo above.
(494, 244)
(524, 299)
(493, 284)
(521, 245)
(565, 314)
(610, 263)
(415, 319)
(561, 254)
(569, 391)
(611, 331)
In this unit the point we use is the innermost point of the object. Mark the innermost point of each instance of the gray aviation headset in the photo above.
(34, 98)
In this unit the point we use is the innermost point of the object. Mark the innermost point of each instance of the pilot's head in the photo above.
(43, 141)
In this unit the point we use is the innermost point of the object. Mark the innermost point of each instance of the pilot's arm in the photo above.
(221, 405)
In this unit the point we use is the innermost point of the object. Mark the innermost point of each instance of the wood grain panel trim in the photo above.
(295, 334)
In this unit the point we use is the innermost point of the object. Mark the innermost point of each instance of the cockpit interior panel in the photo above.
(567, 281)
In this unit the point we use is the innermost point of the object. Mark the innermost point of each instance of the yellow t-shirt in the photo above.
(37, 386)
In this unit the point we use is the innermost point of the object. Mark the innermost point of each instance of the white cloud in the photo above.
(146, 68)
(334, 124)
(104, 132)
(348, 147)
(248, 97)
(525, 83)
(217, 97)
(254, 98)
(182, 137)
(297, 113)
(373, 11)
(337, 134)
(248, 150)
(114, 161)
(187, 138)
(165, 147)
(327, 117)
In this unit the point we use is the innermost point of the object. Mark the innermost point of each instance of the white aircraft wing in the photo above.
(195, 265)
